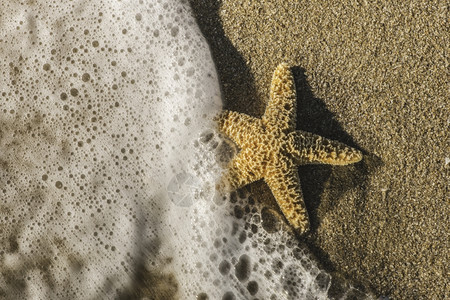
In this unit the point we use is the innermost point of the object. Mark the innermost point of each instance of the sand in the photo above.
(372, 75)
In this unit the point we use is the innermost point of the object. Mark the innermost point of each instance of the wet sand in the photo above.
(374, 76)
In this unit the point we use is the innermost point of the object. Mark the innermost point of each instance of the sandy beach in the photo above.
(371, 75)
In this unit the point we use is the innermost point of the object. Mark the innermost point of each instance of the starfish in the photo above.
(271, 149)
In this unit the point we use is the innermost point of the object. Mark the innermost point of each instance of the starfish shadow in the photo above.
(236, 81)
(313, 116)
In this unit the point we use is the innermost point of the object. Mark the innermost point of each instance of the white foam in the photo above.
(87, 158)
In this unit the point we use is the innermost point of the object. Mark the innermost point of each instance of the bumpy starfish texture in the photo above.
(271, 149)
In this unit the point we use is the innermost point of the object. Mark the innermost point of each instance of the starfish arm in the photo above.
(311, 148)
(238, 126)
(285, 186)
(281, 111)
(243, 169)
